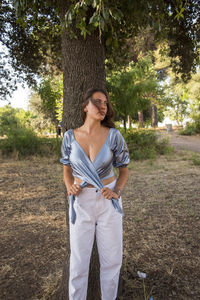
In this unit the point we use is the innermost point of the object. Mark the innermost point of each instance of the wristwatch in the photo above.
(117, 191)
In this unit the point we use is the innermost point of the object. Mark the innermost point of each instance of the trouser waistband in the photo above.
(109, 185)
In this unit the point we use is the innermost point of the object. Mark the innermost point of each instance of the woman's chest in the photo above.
(98, 156)
(92, 147)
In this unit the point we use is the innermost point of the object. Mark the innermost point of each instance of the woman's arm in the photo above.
(69, 181)
(122, 178)
(120, 184)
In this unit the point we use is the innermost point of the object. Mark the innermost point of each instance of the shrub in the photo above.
(21, 140)
(50, 146)
(197, 124)
(20, 137)
(26, 143)
(191, 128)
(163, 147)
(188, 130)
(144, 144)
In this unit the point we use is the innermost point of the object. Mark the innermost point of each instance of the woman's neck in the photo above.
(91, 126)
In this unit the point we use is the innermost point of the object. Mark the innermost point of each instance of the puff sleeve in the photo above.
(65, 149)
(120, 151)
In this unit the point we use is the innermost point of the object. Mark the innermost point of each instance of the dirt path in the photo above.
(191, 143)
(161, 228)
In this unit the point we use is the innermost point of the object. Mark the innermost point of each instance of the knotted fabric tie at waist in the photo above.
(98, 184)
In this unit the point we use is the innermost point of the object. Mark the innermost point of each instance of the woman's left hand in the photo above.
(108, 193)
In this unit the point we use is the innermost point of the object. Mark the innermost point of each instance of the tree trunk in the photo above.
(83, 67)
(129, 121)
(124, 119)
(140, 119)
(154, 116)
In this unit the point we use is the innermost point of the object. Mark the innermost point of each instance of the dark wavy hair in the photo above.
(108, 120)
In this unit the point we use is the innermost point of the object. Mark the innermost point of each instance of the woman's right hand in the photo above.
(74, 189)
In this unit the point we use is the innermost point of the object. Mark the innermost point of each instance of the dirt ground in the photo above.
(183, 142)
(161, 228)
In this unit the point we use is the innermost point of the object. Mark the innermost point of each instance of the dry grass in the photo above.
(161, 228)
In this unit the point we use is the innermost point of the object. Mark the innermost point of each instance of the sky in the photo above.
(19, 98)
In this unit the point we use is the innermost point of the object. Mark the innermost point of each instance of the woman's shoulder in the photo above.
(112, 136)
(68, 132)
(114, 132)
(116, 137)
(68, 135)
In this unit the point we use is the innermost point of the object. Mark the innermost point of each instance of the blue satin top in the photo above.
(114, 152)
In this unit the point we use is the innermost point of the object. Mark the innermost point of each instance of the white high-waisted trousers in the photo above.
(95, 215)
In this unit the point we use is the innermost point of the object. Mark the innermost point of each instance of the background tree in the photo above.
(8, 120)
(40, 122)
(8, 81)
(193, 87)
(46, 100)
(12, 119)
(179, 108)
(135, 90)
(183, 97)
(20, 138)
(33, 43)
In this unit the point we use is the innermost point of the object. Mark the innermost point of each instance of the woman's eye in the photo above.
(99, 102)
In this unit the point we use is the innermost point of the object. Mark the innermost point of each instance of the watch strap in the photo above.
(117, 191)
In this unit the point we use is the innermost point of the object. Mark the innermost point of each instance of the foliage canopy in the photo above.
(31, 31)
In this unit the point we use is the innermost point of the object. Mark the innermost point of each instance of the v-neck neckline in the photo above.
(92, 162)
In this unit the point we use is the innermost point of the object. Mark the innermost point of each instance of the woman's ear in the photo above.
(85, 108)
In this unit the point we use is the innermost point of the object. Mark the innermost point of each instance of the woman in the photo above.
(89, 154)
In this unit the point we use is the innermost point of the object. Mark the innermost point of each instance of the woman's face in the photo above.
(97, 107)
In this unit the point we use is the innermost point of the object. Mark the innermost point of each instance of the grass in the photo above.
(195, 158)
(161, 228)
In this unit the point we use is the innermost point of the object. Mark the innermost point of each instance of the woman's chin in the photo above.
(100, 117)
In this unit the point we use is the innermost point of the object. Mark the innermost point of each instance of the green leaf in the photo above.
(108, 41)
(115, 43)
(96, 24)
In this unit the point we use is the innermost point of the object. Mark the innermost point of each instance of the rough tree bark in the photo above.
(83, 67)
(140, 119)
(129, 121)
(124, 121)
(154, 116)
